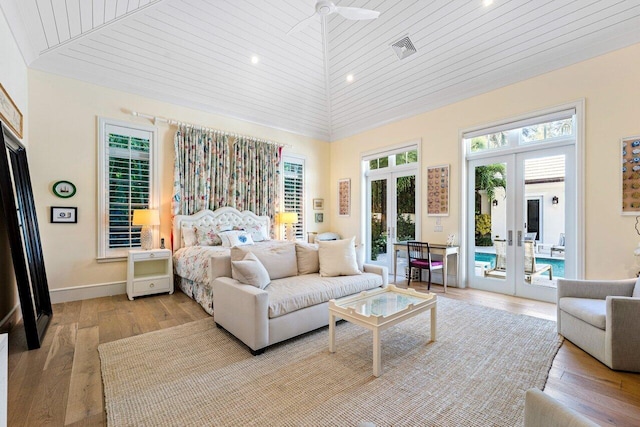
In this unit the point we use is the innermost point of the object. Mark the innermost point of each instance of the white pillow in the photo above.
(259, 232)
(338, 258)
(279, 258)
(250, 271)
(360, 252)
(636, 289)
(235, 238)
(188, 236)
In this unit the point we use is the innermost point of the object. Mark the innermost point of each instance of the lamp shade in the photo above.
(146, 217)
(288, 217)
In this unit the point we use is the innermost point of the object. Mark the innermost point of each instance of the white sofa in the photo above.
(602, 317)
(292, 304)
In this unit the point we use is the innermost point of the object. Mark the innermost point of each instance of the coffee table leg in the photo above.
(433, 322)
(332, 333)
(377, 359)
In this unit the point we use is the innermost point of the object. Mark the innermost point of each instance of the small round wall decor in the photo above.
(64, 189)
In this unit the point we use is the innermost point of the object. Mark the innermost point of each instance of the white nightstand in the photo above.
(149, 272)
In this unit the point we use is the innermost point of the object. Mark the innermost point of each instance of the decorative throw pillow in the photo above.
(360, 252)
(235, 238)
(636, 289)
(279, 258)
(307, 257)
(259, 232)
(250, 271)
(209, 235)
(188, 236)
(338, 258)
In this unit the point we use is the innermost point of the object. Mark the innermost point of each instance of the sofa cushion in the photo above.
(338, 258)
(636, 289)
(294, 293)
(307, 257)
(250, 271)
(591, 311)
(279, 260)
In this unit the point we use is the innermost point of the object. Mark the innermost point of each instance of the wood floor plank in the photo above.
(50, 400)
(85, 389)
(69, 368)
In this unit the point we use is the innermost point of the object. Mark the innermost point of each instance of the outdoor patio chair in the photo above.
(532, 237)
(531, 268)
(420, 257)
(500, 268)
(560, 246)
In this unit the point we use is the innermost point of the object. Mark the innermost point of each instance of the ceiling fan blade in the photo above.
(301, 25)
(357, 13)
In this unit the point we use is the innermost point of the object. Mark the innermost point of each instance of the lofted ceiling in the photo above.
(198, 53)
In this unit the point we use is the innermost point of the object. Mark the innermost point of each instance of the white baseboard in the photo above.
(77, 293)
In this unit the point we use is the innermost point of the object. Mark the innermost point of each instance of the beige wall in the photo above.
(13, 76)
(63, 146)
(610, 85)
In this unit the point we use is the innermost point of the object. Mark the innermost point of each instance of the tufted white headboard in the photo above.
(222, 216)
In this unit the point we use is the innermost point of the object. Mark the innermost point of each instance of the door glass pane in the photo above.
(406, 208)
(490, 231)
(544, 189)
(378, 205)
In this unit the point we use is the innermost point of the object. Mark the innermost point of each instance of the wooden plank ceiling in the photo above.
(198, 53)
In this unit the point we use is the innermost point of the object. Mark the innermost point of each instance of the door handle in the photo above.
(510, 237)
(519, 237)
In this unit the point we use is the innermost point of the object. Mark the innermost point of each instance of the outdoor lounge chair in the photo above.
(560, 246)
(531, 269)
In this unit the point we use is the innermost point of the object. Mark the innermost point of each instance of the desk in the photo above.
(436, 249)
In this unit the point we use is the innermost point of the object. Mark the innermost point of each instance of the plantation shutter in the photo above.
(294, 192)
(129, 180)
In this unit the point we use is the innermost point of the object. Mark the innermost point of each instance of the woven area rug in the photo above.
(475, 374)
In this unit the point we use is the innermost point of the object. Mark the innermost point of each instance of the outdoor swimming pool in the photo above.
(556, 264)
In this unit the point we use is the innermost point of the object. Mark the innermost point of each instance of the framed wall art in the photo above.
(318, 204)
(65, 215)
(438, 190)
(630, 176)
(9, 113)
(64, 189)
(344, 197)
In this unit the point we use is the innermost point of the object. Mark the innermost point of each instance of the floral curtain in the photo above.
(201, 170)
(255, 179)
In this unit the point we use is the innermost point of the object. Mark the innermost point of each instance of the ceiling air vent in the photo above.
(403, 47)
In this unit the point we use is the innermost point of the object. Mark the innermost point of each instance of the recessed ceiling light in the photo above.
(349, 78)
(255, 59)
(486, 3)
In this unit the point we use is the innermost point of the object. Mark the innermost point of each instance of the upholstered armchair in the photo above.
(602, 317)
(541, 410)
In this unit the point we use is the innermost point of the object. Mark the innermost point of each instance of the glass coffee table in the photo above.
(378, 310)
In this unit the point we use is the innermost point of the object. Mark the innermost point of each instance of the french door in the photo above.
(392, 214)
(521, 205)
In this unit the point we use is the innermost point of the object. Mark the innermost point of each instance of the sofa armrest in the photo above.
(242, 310)
(541, 410)
(378, 269)
(595, 289)
(622, 342)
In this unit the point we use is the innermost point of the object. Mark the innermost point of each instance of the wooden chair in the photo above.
(420, 257)
(531, 268)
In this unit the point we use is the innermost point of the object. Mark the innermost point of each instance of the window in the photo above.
(293, 177)
(127, 181)
(396, 159)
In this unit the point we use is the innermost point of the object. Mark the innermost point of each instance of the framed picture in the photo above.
(319, 217)
(344, 197)
(318, 204)
(64, 215)
(438, 190)
(630, 176)
(9, 112)
(64, 189)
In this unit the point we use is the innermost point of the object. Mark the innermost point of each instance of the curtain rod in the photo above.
(157, 119)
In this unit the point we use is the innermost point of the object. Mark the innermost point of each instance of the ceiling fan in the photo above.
(325, 8)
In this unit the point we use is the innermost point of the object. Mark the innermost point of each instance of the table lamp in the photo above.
(288, 219)
(146, 218)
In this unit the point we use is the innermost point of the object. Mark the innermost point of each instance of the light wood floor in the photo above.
(60, 383)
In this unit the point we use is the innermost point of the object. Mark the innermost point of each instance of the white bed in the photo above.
(195, 267)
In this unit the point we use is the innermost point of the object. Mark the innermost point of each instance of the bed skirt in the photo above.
(202, 293)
